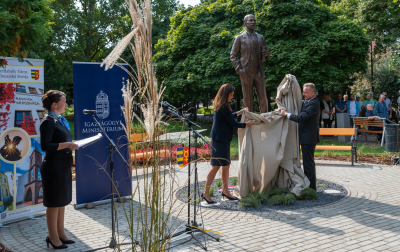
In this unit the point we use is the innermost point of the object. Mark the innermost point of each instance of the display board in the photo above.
(21, 111)
(100, 90)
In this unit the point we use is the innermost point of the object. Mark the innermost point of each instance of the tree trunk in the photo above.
(195, 111)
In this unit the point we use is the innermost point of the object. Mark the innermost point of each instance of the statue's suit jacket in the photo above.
(242, 45)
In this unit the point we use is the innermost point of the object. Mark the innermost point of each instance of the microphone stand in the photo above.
(192, 226)
(113, 244)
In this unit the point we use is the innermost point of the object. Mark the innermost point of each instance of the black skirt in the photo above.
(221, 157)
(57, 182)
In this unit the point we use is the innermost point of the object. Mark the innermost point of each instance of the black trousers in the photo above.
(309, 164)
(327, 123)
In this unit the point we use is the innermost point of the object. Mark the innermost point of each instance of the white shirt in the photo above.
(361, 104)
(352, 110)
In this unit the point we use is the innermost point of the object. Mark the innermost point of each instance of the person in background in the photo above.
(381, 108)
(346, 98)
(398, 101)
(398, 106)
(353, 108)
(221, 136)
(360, 103)
(371, 116)
(388, 103)
(327, 111)
(369, 101)
(340, 106)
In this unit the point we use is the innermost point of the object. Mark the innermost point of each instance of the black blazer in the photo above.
(223, 124)
(308, 120)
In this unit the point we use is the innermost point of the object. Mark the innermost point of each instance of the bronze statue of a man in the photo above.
(250, 67)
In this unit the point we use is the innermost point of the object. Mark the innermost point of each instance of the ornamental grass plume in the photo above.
(152, 212)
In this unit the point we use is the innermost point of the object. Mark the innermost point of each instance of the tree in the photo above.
(86, 31)
(380, 18)
(305, 39)
(24, 23)
(386, 77)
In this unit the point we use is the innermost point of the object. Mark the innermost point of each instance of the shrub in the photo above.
(234, 181)
(308, 193)
(211, 192)
(219, 183)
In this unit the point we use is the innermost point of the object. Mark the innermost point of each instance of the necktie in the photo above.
(306, 104)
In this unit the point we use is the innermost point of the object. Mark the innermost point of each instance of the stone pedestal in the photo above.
(343, 121)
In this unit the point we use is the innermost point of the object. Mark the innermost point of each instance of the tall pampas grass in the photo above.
(153, 219)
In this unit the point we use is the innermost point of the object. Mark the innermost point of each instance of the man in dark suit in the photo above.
(253, 52)
(308, 130)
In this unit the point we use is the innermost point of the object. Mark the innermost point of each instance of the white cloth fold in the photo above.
(269, 150)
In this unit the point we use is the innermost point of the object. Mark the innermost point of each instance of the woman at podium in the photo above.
(221, 136)
(56, 141)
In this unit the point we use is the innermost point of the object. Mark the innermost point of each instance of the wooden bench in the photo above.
(340, 132)
(140, 138)
(363, 121)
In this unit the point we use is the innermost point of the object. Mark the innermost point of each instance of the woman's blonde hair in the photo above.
(222, 97)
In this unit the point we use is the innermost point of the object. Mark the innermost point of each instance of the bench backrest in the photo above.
(337, 131)
(139, 137)
(363, 121)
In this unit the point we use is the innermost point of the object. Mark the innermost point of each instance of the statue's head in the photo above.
(250, 21)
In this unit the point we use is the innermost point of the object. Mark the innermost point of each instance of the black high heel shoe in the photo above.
(208, 202)
(229, 198)
(62, 246)
(66, 242)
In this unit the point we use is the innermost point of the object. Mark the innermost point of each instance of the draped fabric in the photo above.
(269, 152)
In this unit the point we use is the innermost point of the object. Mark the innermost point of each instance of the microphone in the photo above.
(166, 105)
(160, 104)
(169, 105)
(86, 111)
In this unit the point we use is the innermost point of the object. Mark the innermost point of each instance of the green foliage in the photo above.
(87, 31)
(211, 192)
(205, 111)
(234, 181)
(276, 199)
(273, 196)
(271, 192)
(137, 128)
(329, 153)
(24, 23)
(380, 18)
(288, 199)
(305, 38)
(251, 200)
(308, 193)
(202, 185)
(386, 76)
(219, 183)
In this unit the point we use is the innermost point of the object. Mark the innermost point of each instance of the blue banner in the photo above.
(96, 89)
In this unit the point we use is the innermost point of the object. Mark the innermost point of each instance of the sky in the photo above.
(189, 2)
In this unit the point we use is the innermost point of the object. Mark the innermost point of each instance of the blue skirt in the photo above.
(221, 157)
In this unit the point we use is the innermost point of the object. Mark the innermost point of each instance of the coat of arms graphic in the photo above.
(102, 105)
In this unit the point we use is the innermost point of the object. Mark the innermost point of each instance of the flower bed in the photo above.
(203, 152)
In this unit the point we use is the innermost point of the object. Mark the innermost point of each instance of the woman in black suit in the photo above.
(56, 141)
(221, 136)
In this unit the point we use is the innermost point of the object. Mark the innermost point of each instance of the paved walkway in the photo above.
(368, 219)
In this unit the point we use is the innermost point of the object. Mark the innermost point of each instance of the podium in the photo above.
(343, 121)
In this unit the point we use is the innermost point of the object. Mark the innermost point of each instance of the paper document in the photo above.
(87, 141)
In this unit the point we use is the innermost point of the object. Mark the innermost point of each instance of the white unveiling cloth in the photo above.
(269, 150)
